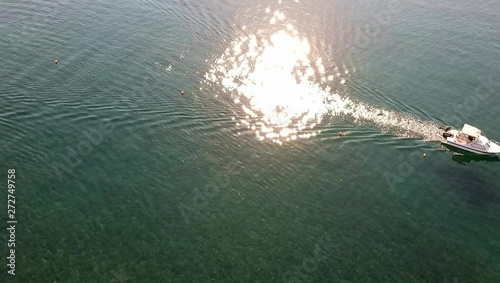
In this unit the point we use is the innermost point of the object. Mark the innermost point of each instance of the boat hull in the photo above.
(455, 146)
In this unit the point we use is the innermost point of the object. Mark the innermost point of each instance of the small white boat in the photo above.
(470, 139)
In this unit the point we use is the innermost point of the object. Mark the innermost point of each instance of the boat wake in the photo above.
(283, 90)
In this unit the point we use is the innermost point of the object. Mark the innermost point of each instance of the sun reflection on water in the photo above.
(283, 90)
(273, 79)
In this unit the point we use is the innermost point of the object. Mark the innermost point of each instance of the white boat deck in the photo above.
(472, 139)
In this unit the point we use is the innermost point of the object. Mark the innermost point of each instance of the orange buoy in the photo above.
(182, 92)
(341, 134)
(55, 61)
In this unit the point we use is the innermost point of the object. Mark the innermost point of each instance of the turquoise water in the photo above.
(244, 178)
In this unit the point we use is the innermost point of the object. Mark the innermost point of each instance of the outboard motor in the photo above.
(447, 135)
(447, 129)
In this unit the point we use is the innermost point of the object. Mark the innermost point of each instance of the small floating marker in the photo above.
(56, 61)
(182, 92)
(424, 155)
(341, 134)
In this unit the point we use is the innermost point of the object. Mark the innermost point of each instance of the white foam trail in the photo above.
(399, 124)
(275, 82)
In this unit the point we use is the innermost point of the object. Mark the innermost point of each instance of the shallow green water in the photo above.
(120, 178)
